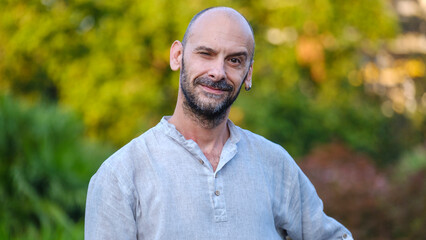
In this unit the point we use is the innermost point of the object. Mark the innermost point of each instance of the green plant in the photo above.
(44, 170)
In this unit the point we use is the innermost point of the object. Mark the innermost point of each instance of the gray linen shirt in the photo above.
(161, 186)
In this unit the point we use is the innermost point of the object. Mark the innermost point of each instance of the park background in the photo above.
(339, 84)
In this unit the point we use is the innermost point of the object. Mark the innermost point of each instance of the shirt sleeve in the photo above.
(303, 210)
(109, 207)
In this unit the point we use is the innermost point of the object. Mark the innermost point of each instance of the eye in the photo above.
(235, 60)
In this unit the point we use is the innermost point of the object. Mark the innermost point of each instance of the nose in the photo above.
(217, 70)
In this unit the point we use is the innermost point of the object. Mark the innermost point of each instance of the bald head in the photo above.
(214, 15)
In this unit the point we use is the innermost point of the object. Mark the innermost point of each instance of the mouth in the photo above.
(213, 90)
(213, 87)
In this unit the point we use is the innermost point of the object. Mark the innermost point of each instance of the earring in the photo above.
(248, 87)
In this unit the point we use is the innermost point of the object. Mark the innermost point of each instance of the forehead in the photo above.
(221, 29)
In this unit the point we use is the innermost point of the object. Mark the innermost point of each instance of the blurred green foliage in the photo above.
(109, 62)
(106, 62)
(44, 170)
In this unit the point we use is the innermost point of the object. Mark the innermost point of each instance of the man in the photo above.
(198, 176)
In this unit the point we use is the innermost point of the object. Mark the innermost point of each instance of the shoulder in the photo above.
(273, 158)
(250, 140)
(122, 165)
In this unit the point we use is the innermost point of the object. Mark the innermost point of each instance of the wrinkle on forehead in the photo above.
(225, 24)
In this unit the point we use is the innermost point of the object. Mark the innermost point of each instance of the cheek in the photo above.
(197, 69)
(237, 77)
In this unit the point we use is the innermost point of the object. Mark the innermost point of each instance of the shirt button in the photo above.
(217, 193)
(201, 161)
(345, 236)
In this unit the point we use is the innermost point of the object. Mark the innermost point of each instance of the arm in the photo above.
(301, 210)
(109, 207)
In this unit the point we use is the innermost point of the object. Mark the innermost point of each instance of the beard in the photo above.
(211, 109)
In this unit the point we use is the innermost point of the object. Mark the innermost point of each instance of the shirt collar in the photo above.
(229, 149)
(171, 131)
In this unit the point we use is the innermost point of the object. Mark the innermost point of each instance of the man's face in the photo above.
(216, 61)
(207, 97)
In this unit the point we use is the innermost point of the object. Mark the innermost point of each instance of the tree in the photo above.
(108, 61)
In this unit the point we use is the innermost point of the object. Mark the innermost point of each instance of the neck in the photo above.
(203, 132)
(210, 137)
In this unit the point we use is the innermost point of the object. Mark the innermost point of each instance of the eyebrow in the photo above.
(242, 53)
(204, 48)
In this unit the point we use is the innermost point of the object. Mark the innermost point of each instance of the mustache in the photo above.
(220, 85)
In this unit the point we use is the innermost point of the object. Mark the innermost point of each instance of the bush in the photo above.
(45, 168)
(373, 203)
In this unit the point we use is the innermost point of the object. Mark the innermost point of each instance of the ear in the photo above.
(248, 80)
(176, 54)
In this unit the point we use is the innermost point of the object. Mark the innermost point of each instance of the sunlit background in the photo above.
(339, 84)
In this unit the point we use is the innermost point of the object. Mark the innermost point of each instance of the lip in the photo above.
(212, 90)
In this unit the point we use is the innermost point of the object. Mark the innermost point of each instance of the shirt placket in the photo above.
(218, 198)
(215, 188)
